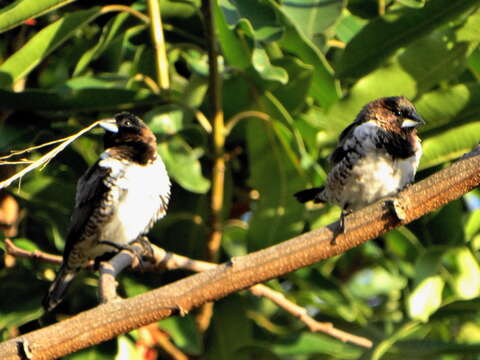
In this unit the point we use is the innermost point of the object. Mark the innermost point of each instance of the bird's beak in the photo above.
(109, 125)
(412, 121)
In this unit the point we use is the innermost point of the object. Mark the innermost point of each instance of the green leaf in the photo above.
(383, 36)
(184, 333)
(313, 17)
(293, 94)
(450, 144)
(308, 343)
(324, 89)
(426, 298)
(371, 282)
(183, 165)
(277, 215)
(77, 100)
(417, 60)
(114, 31)
(234, 238)
(260, 14)
(466, 276)
(472, 227)
(42, 44)
(19, 11)
(443, 107)
(267, 71)
(234, 49)
(230, 330)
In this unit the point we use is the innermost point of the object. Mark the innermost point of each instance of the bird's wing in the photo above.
(91, 190)
(340, 151)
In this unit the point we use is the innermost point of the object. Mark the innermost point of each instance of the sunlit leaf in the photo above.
(425, 298)
(17, 12)
(42, 44)
(381, 37)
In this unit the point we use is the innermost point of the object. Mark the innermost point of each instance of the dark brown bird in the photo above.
(118, 199)
(376, 156)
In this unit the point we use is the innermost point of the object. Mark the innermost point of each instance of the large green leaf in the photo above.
(183, 164)
(313, 17)
(231, 330)
(277, 215)
(451, 60)
(19, 11)
(42, 44)
(450, 144)
(382, 36)
(110, 33)
(466, 274)
(309, 343)
(445, 108)
(184, 334)
(260, 13)
(324, 88)
(426, 297)
(77, 100)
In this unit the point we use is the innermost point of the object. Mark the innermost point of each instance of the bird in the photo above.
(117, 200)
(377, 155)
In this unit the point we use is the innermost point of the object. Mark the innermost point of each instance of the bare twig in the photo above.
(14, 250)
(128, 9)
(48, 156)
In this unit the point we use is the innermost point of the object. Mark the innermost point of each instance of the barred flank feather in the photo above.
(57, 290)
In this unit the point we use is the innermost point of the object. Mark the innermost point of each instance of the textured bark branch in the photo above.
(163, 260)
(109, 320)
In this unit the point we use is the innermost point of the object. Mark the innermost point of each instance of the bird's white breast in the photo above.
(138, 194)
(375, 173)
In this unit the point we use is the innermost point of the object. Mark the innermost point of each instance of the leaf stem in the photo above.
(218, 133)
(161, 62)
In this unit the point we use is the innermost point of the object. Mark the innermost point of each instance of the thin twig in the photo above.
(128, 9)
(15, 251)
(244, 115)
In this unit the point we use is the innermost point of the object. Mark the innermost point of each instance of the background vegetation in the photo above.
(293, 74)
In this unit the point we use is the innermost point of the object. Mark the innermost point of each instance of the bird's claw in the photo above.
(396, 207)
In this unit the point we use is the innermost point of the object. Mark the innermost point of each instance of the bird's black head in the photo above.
(394, 113)
(400, 113)
(130, 134)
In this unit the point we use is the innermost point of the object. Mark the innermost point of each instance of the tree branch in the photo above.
(163, 260)
(109, 320)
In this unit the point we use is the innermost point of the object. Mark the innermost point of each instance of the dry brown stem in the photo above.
(109, 320)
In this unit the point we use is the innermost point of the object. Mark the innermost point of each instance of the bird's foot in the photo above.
(341, 228)
(144, 249)
(397, 208)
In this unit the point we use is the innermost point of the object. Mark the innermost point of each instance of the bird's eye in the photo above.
(398, 112)
(127, 123)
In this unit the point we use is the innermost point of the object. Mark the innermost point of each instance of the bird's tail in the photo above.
(314, 194)
(57, 290)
